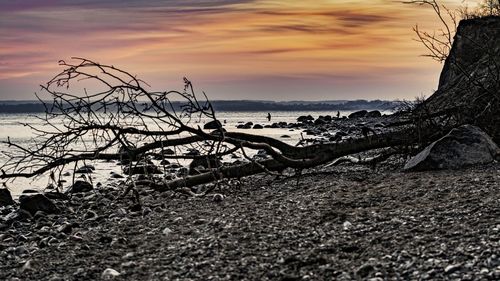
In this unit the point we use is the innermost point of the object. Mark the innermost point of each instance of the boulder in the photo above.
(373, 114)
(212, 125)
(327, 118)
(305, 119)
(358, 114)
(37, 202)
(320, 121)
(462, 146)
(203, 164)
(5, 197)
(258, 126)
(247, 125)
(80, 186)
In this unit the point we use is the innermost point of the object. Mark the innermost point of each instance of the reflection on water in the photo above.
(10, 127)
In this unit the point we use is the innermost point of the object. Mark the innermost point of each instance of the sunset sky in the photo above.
(243, 49)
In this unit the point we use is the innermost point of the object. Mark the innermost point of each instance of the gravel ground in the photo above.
(337, 223)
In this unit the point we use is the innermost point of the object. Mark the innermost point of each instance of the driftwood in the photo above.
(123, 121)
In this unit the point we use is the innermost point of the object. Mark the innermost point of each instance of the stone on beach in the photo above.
(463, 146)
(373, 114)
(212, 125)
(5, 197)
(109, 273)
(38, 202)
(358, 114)
(80, 186)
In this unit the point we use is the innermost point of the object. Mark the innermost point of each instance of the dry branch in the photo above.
(123, 121)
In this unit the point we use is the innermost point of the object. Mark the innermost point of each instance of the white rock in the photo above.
(167, 231)
(347, 225)
(452, 268)
(109, 273)
(128, 255)
(218, 197)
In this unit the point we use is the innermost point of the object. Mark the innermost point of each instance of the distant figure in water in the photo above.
(338, 114)
(269, 117)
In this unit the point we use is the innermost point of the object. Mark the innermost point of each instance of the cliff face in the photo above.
(470, 79)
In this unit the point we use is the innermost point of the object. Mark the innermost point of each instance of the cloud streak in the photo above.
(220, 43)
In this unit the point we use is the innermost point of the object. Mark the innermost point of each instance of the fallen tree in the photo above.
(125, 122)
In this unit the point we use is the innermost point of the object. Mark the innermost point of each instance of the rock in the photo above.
(88, 166)
(285, 136)
(212, 125)
(19, 215)
(109, 273)
(347, 225)
(358, 114)
(174, 166)
(320, 121)
(40, 214)
(116, 176)
(38, 202)
(364, 270)
(327, 118)
(373, 114)
(200, 165)
(192, 152)
(305, 119)
(141, 169)
(182, 172)
(5, 197)
(217, 197)
(168, 151)
(27, 266)
(80, 186)
(56, 195)
(247, 125)
(84, 170)
(21, 251)
(167, 231)
(452, 268)
(164, 162)
(90, 215)
(65, 228)
(462, 146)
(258, 126)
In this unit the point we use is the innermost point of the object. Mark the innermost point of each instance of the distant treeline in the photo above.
(22, 108)
(224, 105)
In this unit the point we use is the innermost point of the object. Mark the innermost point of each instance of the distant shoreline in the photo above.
(12, 107)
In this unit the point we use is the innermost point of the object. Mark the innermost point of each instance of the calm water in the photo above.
(10, 126)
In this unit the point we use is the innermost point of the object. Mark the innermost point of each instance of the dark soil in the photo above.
(340, 223)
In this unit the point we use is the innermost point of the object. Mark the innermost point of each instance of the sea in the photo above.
(12, 126)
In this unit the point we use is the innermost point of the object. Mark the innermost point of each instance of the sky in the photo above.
(242, 49)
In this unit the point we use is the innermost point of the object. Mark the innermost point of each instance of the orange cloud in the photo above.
(330, 46)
